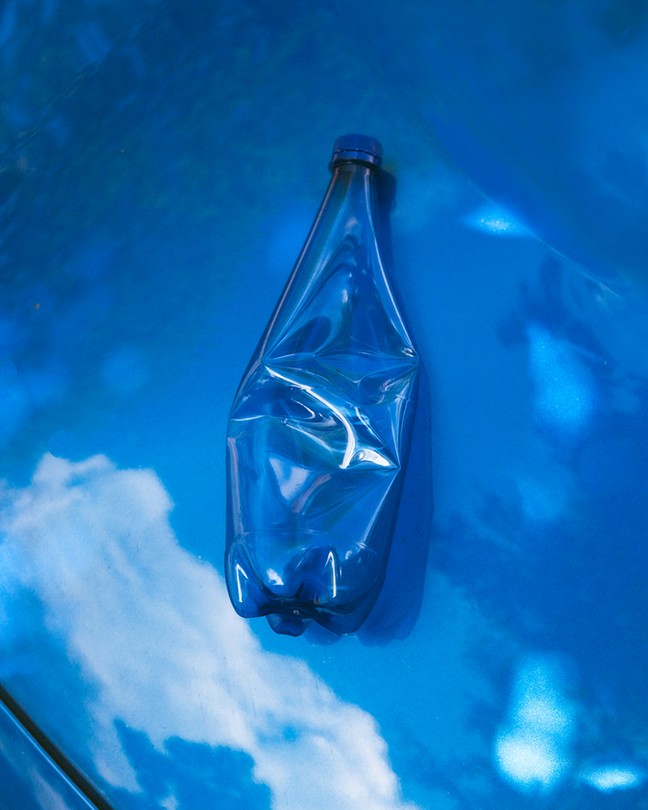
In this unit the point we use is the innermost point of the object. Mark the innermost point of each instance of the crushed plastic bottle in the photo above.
(319, 429)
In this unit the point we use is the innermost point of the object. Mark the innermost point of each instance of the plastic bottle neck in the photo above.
(353, 183)
(352, 167)
(355, 165)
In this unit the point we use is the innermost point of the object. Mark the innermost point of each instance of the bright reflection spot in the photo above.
(563, 385)
(497, 221)
(350, 447)
(273, 577)
(94, 545)
(330, 564)
(528, 760)
(170, 803)
(608, 778)
(373, 457)
(291, 478)
(533, 746)
(240, 572)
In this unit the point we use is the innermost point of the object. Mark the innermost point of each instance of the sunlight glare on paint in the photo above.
(532, 747)
(497, 221)
(608, 778)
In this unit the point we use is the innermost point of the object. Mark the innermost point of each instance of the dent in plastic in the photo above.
(319, 428)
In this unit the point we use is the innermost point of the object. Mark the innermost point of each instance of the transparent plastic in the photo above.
(319, 428)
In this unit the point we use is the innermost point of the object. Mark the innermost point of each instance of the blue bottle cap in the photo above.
(355, 147)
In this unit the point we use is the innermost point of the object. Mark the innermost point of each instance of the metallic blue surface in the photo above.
(159, 169)
(319, 429)
(29, 778)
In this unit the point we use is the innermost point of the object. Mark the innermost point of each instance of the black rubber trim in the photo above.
(54, 752)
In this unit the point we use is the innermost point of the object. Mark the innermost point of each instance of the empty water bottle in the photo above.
(319, 429)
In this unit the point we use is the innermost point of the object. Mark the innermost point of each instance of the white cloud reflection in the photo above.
(533, 747)
(565, 392)
(496, 220)
(613, 776)
(154, 633)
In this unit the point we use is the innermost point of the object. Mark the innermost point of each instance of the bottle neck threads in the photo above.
(356, 148)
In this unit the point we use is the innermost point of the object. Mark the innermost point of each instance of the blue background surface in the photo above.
(29, 779)
(161, 165)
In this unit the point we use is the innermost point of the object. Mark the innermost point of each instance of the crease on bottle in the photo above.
(318, 432)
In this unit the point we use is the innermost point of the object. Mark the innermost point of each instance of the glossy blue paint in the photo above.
(157, 181)
(541, 105)
(30, 780)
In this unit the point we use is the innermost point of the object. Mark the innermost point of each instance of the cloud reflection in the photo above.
(613, 776)
(153, 632)
(533, 747)
(493, 219)
(565, 394)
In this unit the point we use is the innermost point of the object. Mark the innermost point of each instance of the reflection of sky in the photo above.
(614, 776)
(542, 103)
(151, 208)
(152, 630)
(497, 221)
(564, 389)
(533, 745)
